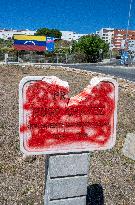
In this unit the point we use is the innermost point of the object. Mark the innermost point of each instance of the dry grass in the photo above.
(22, 181)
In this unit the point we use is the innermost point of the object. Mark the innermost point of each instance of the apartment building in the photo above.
(107, 35)
(70, 35)
(122, 39)
(118, 38)
(8, 34)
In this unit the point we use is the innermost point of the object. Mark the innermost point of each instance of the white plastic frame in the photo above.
(73, 147)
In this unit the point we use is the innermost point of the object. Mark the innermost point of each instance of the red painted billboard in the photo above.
(51, 122)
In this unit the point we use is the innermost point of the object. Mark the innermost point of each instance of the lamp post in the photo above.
(125, 55)
(129, 16)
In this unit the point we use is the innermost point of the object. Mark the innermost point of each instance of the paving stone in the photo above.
(72, 201)
(60, 188)
(68, 165)
(129, 146)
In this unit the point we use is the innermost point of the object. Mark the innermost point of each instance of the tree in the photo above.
(6, 43)
(49, 32)
(6, 46)
(62, 46)
(92, 47)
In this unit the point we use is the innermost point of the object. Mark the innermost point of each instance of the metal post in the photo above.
(66, 58)
(126, 40)
(129, 15)
(57, 58)
(17, 56)
(31, 56)
(6, 58)
(110, 54)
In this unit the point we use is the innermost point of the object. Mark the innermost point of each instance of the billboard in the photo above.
(50, 44)
(30, 42)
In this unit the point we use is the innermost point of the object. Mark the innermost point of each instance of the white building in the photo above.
(70, 35)
(117, 37)
(107, 35)
(8, 34)
(66, 35)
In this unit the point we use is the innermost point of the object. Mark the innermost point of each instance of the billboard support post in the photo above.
(31, 56)
(57, 58)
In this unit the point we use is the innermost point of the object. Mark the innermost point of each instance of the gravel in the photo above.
(22, 179)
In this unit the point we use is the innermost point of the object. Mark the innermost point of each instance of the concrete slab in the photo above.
(60, 188)
(68, 165)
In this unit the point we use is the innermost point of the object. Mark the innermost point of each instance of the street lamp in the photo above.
(129, 16)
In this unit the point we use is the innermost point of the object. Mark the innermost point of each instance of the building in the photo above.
(118, 38)
(107, 35)
(122, 39)
(66, 35)
(8, 34)
(70, 35)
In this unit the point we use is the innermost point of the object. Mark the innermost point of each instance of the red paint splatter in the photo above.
(23, 128)
(55, 119)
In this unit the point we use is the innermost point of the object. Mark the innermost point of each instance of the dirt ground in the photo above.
(22, 180)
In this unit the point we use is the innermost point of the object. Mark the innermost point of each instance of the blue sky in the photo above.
(82, 16)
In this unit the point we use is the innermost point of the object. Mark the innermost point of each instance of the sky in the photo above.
(81, 16)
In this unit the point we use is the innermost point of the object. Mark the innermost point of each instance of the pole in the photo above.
(66, 58)
(30, 56)
(129, 15)
(57, 58)
(110, 54)
(18, 56)
(6, 58)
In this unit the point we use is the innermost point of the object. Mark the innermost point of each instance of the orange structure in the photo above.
(121, 38)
